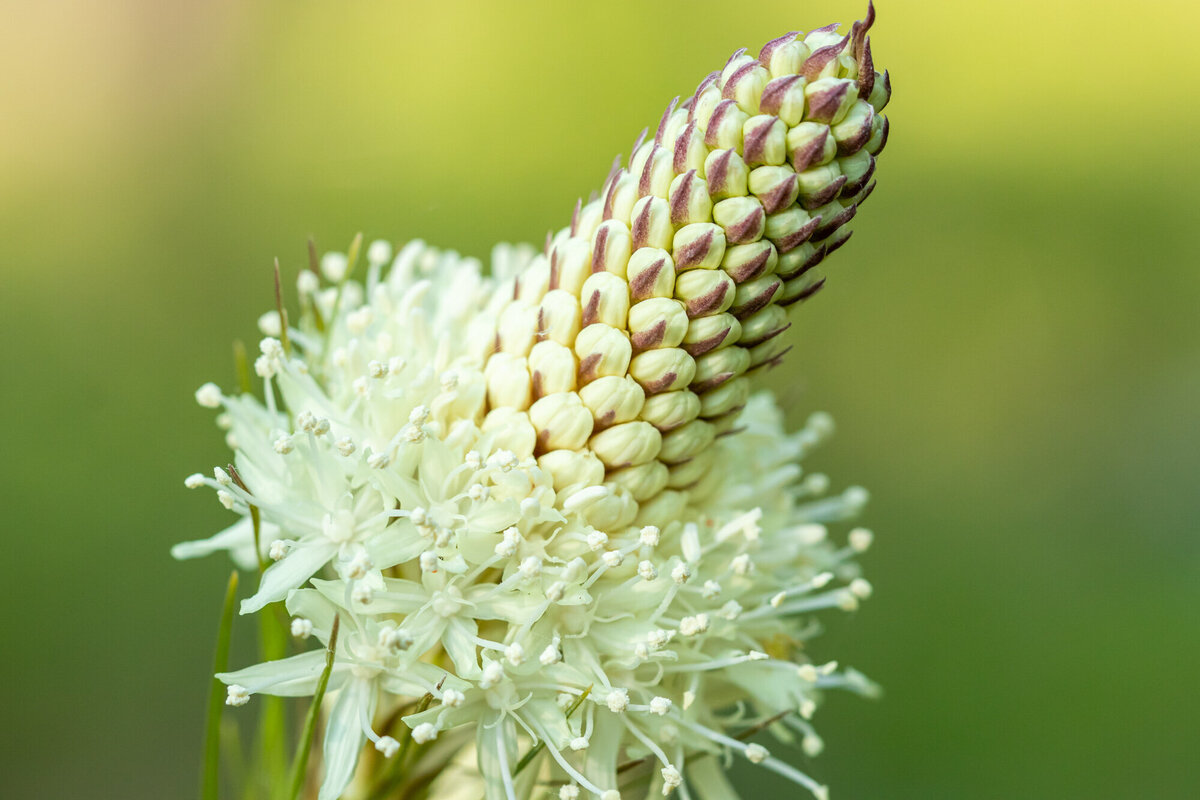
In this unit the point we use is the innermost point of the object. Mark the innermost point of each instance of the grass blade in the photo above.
(300, 765)
(211, 778)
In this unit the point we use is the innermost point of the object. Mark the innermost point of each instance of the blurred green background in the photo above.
(1011, 345)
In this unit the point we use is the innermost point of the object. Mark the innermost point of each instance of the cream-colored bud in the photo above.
(669, 410)
(689, 200)
(559, 317)
(627, 444)
(733, 66)
(654, 178)
(768, 351)
(784, 97)
(664, 509)
(682, 476)
(741, 218)
(726, 173)
(621, 197)
(881, 92)
(764, 141)
(590, 216)
(810, 144)
(708, 94)
(834, 214)
(605, 300)
(829, 99)
(676, 122)
(534, 281)
(613, 399)
(686, 441)
(611, 248)
(640, 155)
(552, 367)
(800, 287)
(716, 368)
(799, 260)
(509, 384)
(724, 129)
(602, 350)
(776, 187)
(517, 329)
(690, 152)
(572, 468)
(511, 430)
(614, 512)
(762, 325)
(786, 56)
(727, 397)
(561, 421)
(700, 245)
(855, 130)
(570, 264)
(662, 370)
(745, 86)
(858, 169)
(651, 226)
(657, 322)
(643, 481)
(819, 185)
(704, 292)
(790, 228)
(754, 294)
(745, 261)
(651, 273)
(709, 333)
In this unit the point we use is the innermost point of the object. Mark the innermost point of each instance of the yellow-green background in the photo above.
(1010, 345)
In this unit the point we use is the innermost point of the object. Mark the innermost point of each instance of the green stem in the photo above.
(300, 765)
(211, 780)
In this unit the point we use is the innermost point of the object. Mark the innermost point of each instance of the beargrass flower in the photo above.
(570, 552)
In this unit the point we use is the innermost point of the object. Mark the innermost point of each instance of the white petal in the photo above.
(309, 604)
(296, 567)
(396, 544)
(459, 640)
(238, 539)
(296, 676)
(344, 736)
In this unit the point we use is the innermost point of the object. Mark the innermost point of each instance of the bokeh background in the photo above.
(1010, 344)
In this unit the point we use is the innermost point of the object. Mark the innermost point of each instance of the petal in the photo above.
(290, 573)
(237, 539)
(309, 604)
(296, 676)
(395, 544)
(344, 736)
(459, 640)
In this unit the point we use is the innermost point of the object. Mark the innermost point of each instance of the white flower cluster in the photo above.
(541, 496)
(390, 496)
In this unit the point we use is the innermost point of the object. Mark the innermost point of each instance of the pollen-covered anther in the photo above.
(236, 695)
(672, 779)
(694, 625)
(660, 706)
(861, 588)
(757, 753)
(860, 539)
(209, 396)
(617, 700)
(424, 733)
(388, 746)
